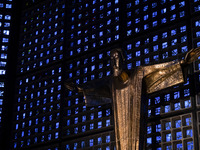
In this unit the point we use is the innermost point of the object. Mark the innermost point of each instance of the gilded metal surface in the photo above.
(127, 99)
(163, 76)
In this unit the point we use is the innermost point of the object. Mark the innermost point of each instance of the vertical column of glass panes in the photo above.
(145, 15)
(5, 21)
(153, 139)
(37, 108)
(42, 36)
(177, 132)
(92, 24)
(80, 119)
(39, 90)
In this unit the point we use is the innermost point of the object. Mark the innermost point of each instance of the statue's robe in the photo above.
(126, 98)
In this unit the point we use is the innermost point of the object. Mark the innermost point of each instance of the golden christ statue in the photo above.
(124, 90)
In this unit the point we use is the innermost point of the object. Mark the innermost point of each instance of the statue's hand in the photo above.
(73, 87)
(192, 55)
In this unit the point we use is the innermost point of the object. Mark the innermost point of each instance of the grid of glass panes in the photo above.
(104, 141)
(153, 138)
(37, 108)
(92, 24)
(79, 118)
(196, 39)
(143, 15)
(42, 36)
(84, 69)
(157, 47)
(176, 100)
(195, 6)
(177, 133)
(5, 21)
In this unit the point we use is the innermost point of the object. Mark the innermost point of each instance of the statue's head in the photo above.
(117, 61)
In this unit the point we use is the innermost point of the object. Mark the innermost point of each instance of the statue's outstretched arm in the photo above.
(96, 93)
(160, 76)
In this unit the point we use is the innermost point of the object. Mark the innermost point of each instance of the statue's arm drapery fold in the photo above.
(160, 76)
(98, 93)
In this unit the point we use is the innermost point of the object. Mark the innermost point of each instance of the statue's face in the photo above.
(116, 63)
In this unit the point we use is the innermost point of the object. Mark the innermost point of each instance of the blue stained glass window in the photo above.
(154, 5)
(186, 92)
(129, 56)
(154, 14)
(182, 14)
(108, 122)
(177, 95)
(182, 4)
(173, 17)
(177, 106)
(149, 141)
(158, 127)
(173, 7)
(138, 63)
(167, 125)
(99, 140)
(99, 124)
(158, 139)
(107, 138)
(157, 111)
(137, 53)
(189, 133)
(167, 108)
(178, 135)
(168, 137)
(183, 29)
(168, 147)
(91, 126)
(129, 46)
(137, 2)
(183, 39)
(177, 123)
(146, 60)
(155, 48)
(188, 121)
(149, 113)
(149, 129)
(164, 45)
(190, 145)
(155, 23)
(198, 34)
(163, 20)
(174, 52)
(129, 66)
(156, 57)
(174, 42)
(187, 103)
(107, 148)
(157, 100)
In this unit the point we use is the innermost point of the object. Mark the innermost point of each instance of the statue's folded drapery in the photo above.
(126, 98)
